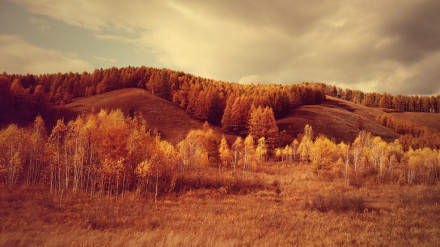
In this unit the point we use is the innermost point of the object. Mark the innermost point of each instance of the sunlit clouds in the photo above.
(388, 46)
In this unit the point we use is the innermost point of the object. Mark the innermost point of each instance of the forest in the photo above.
(220, 103)
(109, 153)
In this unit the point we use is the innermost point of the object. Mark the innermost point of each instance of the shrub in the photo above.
(339, 202)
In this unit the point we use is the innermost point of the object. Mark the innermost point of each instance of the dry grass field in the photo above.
(298, 209)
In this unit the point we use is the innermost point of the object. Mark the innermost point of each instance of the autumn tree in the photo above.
(226, 156)
(193, 150)
(262, 124)
(344, 151)
(37, 141)
(261, 150)
(305, 144)
(294, 146)
(248, 151)
(12, 154)
(237, 151)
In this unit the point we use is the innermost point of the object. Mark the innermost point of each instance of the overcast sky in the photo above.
(391, 46)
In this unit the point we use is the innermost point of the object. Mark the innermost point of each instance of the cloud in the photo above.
(19, 56)
(379, 45)
(42, 25)
(250, 79)
(104, 59)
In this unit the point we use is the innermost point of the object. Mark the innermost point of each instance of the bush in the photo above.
(232, 183)
(425, 195)
(340, 202)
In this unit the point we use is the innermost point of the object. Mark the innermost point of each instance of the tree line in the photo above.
(411, 134)
(400, 103)
(108, 154)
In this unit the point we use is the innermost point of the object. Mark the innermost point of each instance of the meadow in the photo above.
(295, 207)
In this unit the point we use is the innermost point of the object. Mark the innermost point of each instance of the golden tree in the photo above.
(261, 150)
(237, 149)
(193, 150)
(344, 151)
(305, 145)
(294, 147)
(262, 124)
(225, 153)
(248, 151)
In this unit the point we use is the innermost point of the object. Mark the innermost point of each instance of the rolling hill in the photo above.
(171, 122)
(335, 118)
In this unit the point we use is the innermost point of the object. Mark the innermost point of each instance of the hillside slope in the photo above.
(335, 118)
(431, 120)
(172, 122)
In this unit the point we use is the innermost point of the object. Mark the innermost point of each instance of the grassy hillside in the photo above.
(172, 122)
(337, 119)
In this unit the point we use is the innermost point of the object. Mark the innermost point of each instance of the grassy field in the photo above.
(299, 209)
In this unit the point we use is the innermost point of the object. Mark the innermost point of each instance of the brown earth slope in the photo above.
(172, 122)
(335, 118)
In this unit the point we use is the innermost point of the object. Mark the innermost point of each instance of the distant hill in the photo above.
(335, 118)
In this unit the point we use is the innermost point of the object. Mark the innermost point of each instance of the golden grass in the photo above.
(394, 216)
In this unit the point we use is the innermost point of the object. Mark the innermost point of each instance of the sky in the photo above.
(384, 46)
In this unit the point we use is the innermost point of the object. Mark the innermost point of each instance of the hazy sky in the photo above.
(391, 46)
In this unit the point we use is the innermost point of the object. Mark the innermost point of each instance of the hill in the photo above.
(172, 122)
(335, 118)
